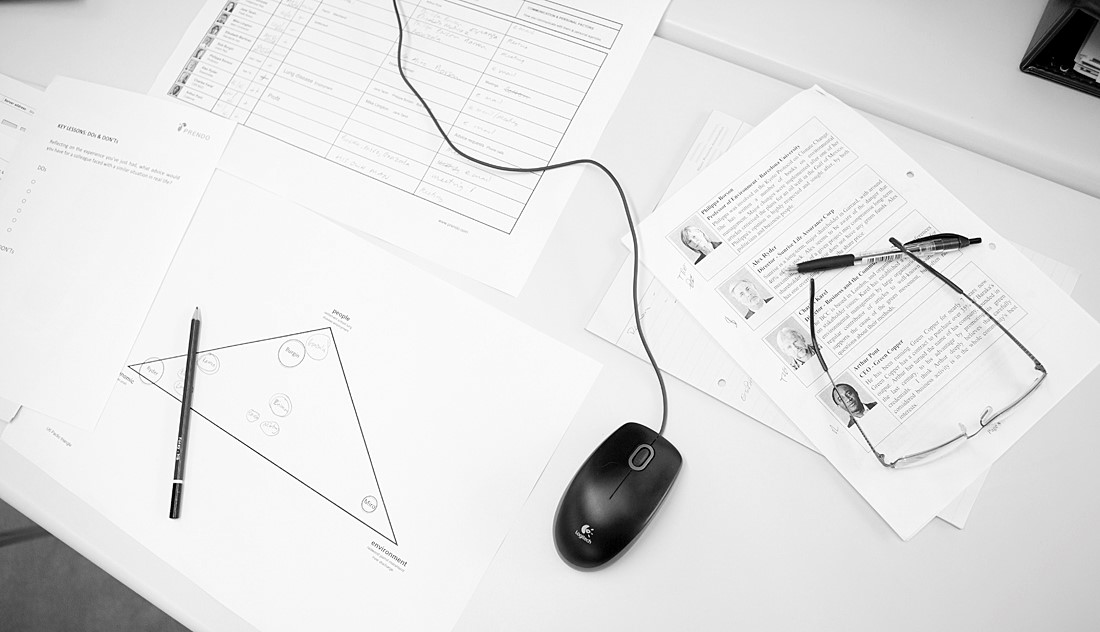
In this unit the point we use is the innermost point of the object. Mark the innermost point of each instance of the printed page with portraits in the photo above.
(914, 363)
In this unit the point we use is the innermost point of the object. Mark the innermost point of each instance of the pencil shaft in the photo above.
(185, 417)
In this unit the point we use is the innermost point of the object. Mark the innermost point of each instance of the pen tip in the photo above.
(198, 314)
(792, 269)
(975, 240)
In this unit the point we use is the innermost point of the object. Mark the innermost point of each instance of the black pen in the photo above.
(943, 242)
(185, 415)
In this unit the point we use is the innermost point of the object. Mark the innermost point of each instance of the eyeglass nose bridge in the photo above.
(985, 413)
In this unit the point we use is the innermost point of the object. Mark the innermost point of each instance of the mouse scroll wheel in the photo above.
(641, 457)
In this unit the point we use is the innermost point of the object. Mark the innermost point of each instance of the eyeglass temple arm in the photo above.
(821, 358)
(813, 330)
(813, 336)
(951, 284)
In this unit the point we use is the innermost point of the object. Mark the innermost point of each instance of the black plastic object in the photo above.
(826, 263)
(613, 495)
(1062, 29)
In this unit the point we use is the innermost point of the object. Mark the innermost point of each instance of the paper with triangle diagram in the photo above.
(287, 399)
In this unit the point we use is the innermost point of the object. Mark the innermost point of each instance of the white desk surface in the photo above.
(758, 533)
(948, 68)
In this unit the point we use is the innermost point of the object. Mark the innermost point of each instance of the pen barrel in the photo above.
(827, 263)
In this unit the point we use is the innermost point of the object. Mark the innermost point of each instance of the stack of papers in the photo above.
(816, 179)
(686, 350)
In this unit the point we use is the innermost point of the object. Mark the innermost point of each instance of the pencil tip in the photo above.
(198, 314)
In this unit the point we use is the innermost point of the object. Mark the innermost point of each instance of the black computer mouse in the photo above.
(614, 494)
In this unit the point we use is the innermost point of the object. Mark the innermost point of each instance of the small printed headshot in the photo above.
(745, 293)
(222, 18)
(207, 41)
(191, 65)
(849, 402)
(795, 347)
(698, 241)
(199, 52)
(174, 91)
(852, 402)
(214, 29)
(183, 79)
(229, 6)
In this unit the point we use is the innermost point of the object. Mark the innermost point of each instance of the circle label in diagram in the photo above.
(252, 416)
(317, 346)
(291, 353)
(151, 371)
(369, 504)
(270, 428)
(209, 363)
(280, 404)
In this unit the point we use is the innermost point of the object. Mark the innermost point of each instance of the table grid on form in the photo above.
(503, 79)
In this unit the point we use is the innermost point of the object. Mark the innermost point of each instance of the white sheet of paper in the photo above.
(18, 103)
(814, 179)
(688, 352)
(357, 452)
(1065, 277)
(328, 122)
(95, 203)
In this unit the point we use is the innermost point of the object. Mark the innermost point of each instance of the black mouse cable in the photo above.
(567, 163)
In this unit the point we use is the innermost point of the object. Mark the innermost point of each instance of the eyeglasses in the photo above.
(987, 417)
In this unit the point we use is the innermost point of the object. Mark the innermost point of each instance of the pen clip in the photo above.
(934, 237)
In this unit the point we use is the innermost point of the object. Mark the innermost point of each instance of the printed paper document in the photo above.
(18, 103)
(327, 121)
(687, 351)
(816, 179)
(95, 203)
(363, 433)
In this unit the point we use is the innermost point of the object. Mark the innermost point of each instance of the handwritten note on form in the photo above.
(329, 122)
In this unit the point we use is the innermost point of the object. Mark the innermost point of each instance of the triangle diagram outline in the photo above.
(136, 368)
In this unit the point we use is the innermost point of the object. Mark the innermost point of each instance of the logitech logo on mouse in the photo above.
(585, 533)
